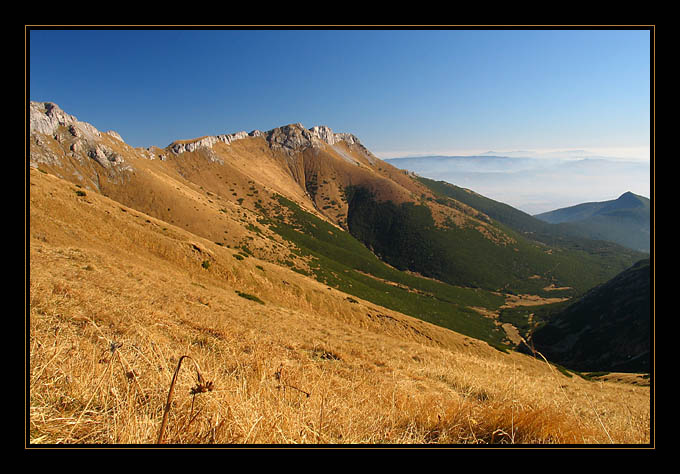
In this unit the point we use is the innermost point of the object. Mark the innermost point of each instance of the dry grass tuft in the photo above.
(201, 386)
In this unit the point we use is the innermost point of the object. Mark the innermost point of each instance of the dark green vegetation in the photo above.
(403, 235)
(341, 261)
(625, 220)
(607, 329)
(250, 297)
(468, 268)
(406, 237)
(563, 235)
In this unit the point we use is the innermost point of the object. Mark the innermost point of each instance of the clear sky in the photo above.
(401, 92)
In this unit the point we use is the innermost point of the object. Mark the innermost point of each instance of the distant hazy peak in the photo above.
(630, 197)
(627, 200)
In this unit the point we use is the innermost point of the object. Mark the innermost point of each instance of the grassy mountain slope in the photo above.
(231, 192)
(237, 252)
(569, 259)
(625, 220)
(117, 297)
(340, 261)
(607, 329)
(220, 195)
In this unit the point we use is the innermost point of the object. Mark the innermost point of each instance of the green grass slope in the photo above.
(342, 262)
(541, 255)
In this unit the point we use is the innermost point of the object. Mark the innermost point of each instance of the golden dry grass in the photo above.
(116, 298)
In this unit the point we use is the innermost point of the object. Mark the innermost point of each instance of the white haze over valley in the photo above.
(540, 181)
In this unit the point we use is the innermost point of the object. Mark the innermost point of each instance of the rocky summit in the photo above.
(292, 138)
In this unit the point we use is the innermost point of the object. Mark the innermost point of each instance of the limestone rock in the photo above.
(105, 156)
(293, 137)
(47, 117)
(206, 142)
(115, 135)
(324, 133)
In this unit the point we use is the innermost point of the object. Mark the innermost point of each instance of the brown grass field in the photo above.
(117, 298)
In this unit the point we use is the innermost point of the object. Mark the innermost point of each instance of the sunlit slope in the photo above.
(117, 296)
(288, 196)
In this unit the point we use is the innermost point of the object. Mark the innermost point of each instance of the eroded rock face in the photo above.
(295, 137)
(105, 156)
(324, 133)
(48, 124)
(327, 135)
(115, 135)
(47, 117)
(206, 142)
(210, 141)
(291, 138)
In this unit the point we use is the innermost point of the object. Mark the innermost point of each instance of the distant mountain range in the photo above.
(536, 184)
(625, 220)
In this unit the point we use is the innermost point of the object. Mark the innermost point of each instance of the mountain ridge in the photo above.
(243, 260)
(588, 209)
(625, 220)
(263, 192)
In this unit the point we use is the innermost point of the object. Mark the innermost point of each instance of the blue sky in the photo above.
(403, 92)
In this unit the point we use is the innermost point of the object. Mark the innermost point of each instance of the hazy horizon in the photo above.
(640, 153)
(536, 184)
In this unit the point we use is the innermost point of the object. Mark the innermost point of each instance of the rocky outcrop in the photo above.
(205, 142)
(81, 138)
(115, 135)
(291, 138)
(325, 134)
(209, 141)
(295, 137)
(48, 123)
(105, 156)
(47, 117)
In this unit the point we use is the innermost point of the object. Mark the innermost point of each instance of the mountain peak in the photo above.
(46, 117)
(627, 200)
(291, 137)
(296, 136)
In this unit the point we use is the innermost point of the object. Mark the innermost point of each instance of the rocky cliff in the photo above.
(57, 136)
(290, 138)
